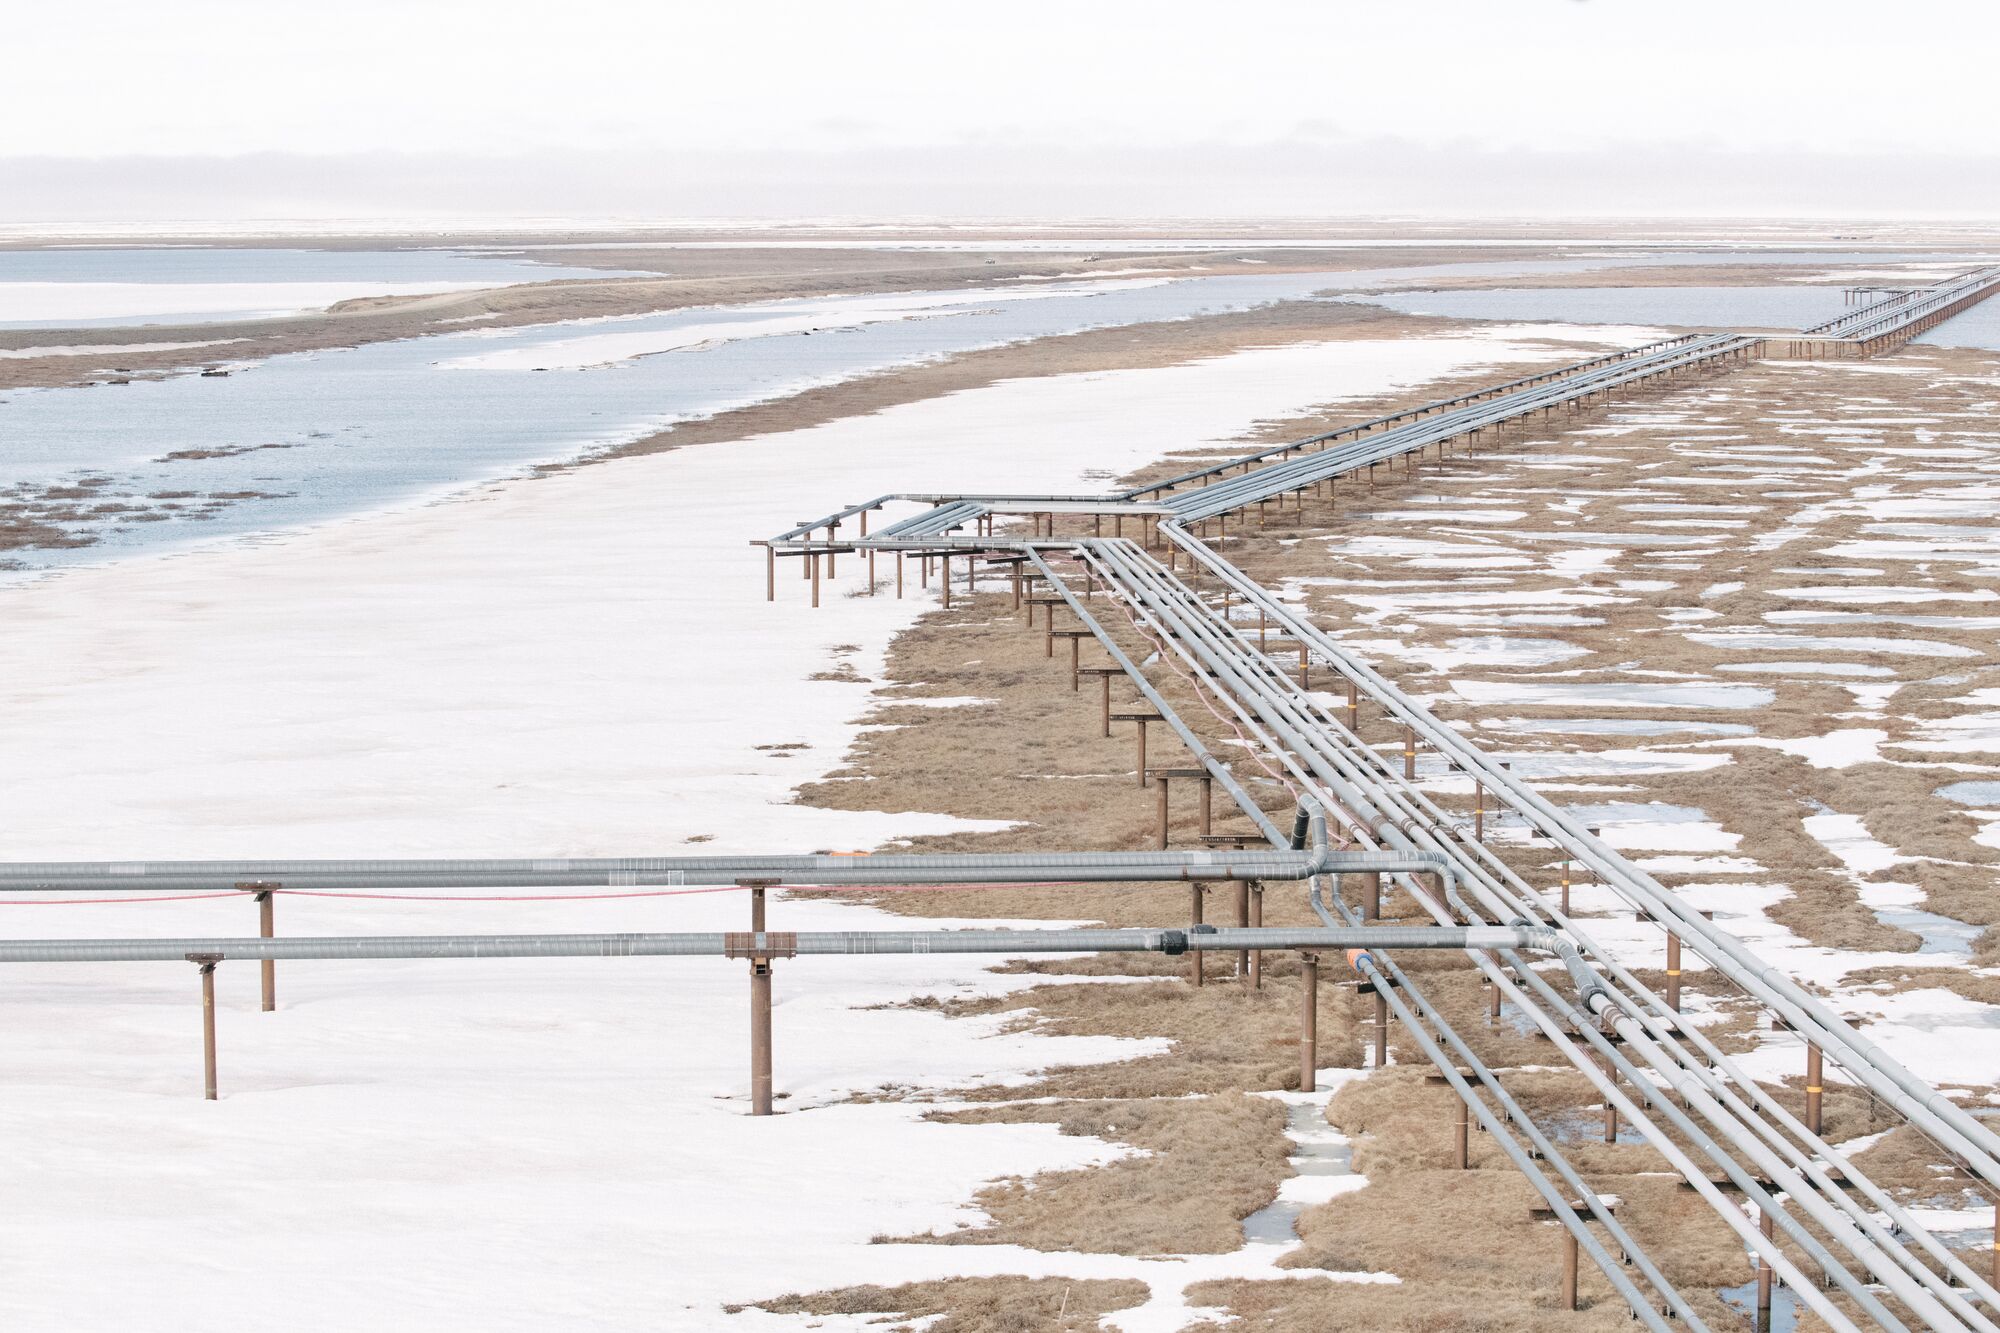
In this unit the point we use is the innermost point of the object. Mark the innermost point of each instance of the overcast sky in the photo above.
(215, 108)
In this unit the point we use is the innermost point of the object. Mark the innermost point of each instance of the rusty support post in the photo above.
(1568, 1301)
(1308, 1022)
(1242, 920)
(1106, 680)
(1493, 1002)
(1674, 972)
(1207, 815)
(770, 573)
(1194, 955)
(1462, 1136)
(1371, 896)
(1409, 752)
(1814, 1087)
(944, 581)
(899, 576)
(1565, 887)
(1353, 708)
(1381, 1029)
(760, 1036)
(206, 962)
(1164, 813)
(760, 1005)
(1256, 919)
(872, 590)
(814, 557)
(1142, 751)
(1478, 811)
(1610, 1107)
(266, 929)
(1764, 1274)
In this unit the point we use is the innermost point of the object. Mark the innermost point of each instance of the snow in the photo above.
(106, 349)
(572, 665)
(61, 303)
(787, 317)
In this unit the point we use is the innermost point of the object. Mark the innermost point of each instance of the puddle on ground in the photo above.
(1614, 694)
(1618, 726)
(1784, 1305)
(1830, 644)
(1972, 793)
(1581, 1126)
(1321, 1151)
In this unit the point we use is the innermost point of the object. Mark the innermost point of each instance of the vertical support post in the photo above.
(1105, 680)
(1381, 1027)
(760, 1036)
(1462, 1136)
(1764, 1275)
(1409, 752)
(206, 962)
(899, 576)
(1194, 955)
(1371, 896)
(1814, 1087)
(1163, 812)
(871, 562)
(1242, 920)
(1207, 805)
(814, 557)
(1610, 1107)
(1308, 1022)
(1674, 972)
(944, 581)
(770, 573)
(1493, 1002)
(1353, 708)
(1142, 751)
(1565, 887)
(760, 1005)
(1257, 955)
(1568, 1301)
(266, 929)
(1478, 811)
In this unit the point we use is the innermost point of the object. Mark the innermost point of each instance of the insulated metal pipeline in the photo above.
(1896, 1085)
(1184, 638)
(1192, 742)
(1181, 635)
(998, 868)
(717, 944)
(1265, 482)
(1440, 405)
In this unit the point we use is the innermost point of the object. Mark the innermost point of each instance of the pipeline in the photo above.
(886, 870)
(719, 944)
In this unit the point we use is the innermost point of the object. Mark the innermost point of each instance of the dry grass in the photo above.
(1209, 1162)
(974, 1304)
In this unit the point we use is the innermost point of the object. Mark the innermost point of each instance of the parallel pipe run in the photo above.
(720, 944)
(670, 871)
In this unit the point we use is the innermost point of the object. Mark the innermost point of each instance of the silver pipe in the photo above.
(619, 872)
(685, 944)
